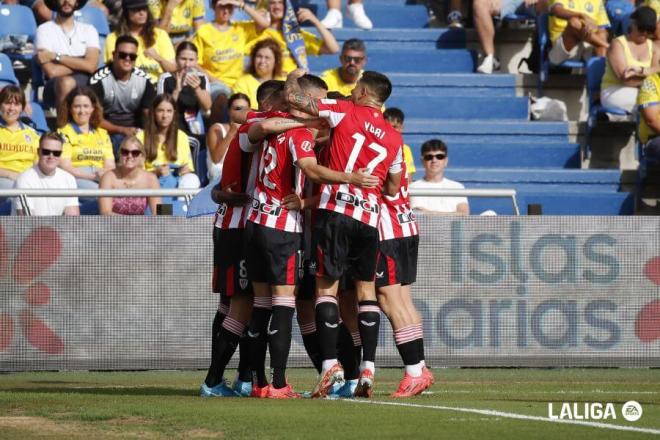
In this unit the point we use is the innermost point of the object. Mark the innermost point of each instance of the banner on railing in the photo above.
(134, 293)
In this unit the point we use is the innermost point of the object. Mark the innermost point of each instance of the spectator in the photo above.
(265, 64)
(355, 12)
(575, 27)
(39, 8)
(396, 117)
(179, 18)
(353, 59)
(67, 50)
(129, 174)
(45, 174)
(125, 92)
(648, 103)
(167, 149)
(220, 135)
(190, 88)
(484, 11)
(434, 157)
(87, 147)
(18, 142)
(313, 45)
(155, 50)
(629, 60)
(222, 46)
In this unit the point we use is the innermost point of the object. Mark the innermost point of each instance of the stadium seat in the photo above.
(5, 207)
(544, 45)
(6, 70)
(95, 17)
(380, 38)
(18, 20)
(39, 118)
(458, 107)
(201, 167)
(595, 72)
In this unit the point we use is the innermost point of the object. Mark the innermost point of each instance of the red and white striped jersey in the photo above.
(239, 173)
(396, 218)
(278, 177)
(361, 139)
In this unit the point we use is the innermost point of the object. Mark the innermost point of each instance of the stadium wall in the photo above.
(105, 293)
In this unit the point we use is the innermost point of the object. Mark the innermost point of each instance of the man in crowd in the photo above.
(435, 160)
(125, 92)
(45, 174)
(67, 50)
(353, 59)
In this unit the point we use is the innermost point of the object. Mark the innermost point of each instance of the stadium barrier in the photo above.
(106, 293)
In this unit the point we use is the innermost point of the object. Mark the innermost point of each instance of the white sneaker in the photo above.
(333, 19)
(488, 65)
(356, 13)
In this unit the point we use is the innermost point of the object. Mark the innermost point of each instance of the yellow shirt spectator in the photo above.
(649, 95)
(18, 149)
(182, 16)
(183, 154)
(86, 149)
(248, 84)
(162, 45)
(221, 54)
(410, 161)
(655, 4)
(593, 8)
(335, 83)
(313, 45)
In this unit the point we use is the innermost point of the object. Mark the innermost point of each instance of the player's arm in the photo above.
(295, 96)
(277, 125)
(226, 195)
(392, 184)
(320, 174)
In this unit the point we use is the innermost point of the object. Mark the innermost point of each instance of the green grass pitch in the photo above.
(164, 404)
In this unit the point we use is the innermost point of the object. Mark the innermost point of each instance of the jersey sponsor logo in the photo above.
(266, 208)
(222, 209)
(354, 200)
(28, 138)
(405, 217)
(367, 323)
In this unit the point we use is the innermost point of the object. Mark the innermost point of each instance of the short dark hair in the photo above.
(434, 145)
(354, 44)
(50, 135)
(378, 84)
(126, 39)
(308, 81)
(186, 45)
(394, 114)
(338, 96)
(237, 96)
(268, 89)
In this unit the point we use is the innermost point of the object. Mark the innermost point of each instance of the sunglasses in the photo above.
(47, 152)
(135, 153)
(439, 156)
(126, 55)
(356, 60)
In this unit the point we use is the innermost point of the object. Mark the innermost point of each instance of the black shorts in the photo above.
(273, 256)
(229, 265)
(397, 261)
(344, 243)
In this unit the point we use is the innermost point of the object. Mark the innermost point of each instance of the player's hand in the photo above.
(363, 179)
(316, 123)
(231, 198)
(297, 74)
(292, 202)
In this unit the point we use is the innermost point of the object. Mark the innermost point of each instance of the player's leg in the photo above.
(408, 303)
(350, 344)
(279, 339)
(306, 316)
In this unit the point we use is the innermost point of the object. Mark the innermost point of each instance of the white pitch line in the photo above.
(488, 412)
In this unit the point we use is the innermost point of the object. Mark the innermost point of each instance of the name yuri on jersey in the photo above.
(380, 134)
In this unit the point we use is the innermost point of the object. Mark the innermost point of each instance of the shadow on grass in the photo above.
(108, 391)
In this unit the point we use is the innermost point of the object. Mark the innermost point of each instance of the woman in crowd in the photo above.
(167, 149)
(222, 46)
(155, 50)
(189, 87)
(313, 44)
(87, 152)
(129, 174)
(630, 59)
(265, 64)
(220, 135)
(18, 142)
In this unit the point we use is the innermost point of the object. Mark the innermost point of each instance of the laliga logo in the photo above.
(631, 411)
(37, 253)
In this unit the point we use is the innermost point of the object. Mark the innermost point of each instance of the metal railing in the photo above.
(22, 194)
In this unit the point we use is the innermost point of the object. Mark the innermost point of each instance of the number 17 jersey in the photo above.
(361, 138)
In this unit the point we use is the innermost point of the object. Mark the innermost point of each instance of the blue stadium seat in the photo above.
(18, 20)
(201, 167)
(595, 72)
(5, 207)
(544, 44)
(7, 70)
(458, 107)
(95, 17)
(405, 38)
(382, 16)
(583, 179)
(90, 207)
(39, 118)
(38, 81)
(452, 84)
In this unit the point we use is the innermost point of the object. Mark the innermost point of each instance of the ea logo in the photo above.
(631, 411)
